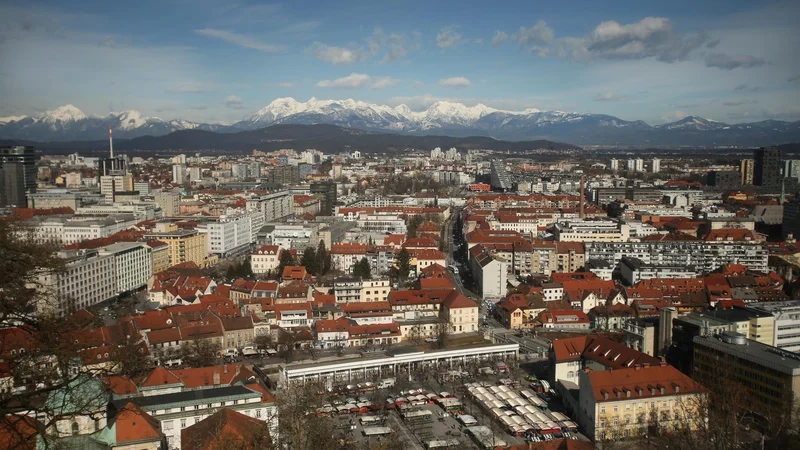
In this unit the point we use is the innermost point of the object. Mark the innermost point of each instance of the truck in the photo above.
(386, 383)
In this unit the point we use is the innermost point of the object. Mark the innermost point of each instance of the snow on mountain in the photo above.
(694, 123)
(66, 113)
(8, 119)
(129, 120)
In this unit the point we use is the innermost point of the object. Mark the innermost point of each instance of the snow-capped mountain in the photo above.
(441, 118)
(70, 123)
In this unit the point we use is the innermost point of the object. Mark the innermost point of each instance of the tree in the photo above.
(310, 261)
(323, 258)
(299, 427)
(442, 331)
(403, 263)
(286, 260)
(200, 353)
(413, 223)
(264, 341)
(362, 269)
(39, 345)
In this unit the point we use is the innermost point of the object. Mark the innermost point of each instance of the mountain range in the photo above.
(68, 123)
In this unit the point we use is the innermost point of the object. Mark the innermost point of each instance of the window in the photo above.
(616, 408)
(75, 428)
(616, 421)
(258, 414)
(627, 407)
(602, 410)
(183, 423)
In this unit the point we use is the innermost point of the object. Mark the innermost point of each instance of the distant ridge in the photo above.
(68, 123)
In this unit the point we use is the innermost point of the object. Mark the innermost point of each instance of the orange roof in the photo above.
(458, 300)
(436, 283)
(159, 377)
(133, 424)
(651, 381)
(228, 425)
(420, 242)
(294, 273)
(121, 385)
(728, 234)
(346, 248)
(427, 254)
(19, 432)
(600, 349)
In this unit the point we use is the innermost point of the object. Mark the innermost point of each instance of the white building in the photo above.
(231, 233)
(656, 168)
(274, 205)
(596, 230)
(140, 210)
(787, 323)
(178, 173)
(265, 259)
(381, 223)
(169, 201)
(87, 279)
(615, 165)
(72, 229)
(490, 274)
(133, 264)
(110, 184)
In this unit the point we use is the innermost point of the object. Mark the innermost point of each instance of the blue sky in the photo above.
(203, 60)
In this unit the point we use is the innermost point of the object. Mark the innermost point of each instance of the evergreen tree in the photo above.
(362, 269)
(403, 263)
(286, 260)
(310, 261)
(323, 261)
(413, 223)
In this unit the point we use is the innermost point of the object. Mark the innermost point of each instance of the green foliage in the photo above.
(310, 261)
(286, 260)
(362, 269)
(323, 258)
(403, 263)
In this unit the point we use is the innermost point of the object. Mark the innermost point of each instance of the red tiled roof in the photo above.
(224, 424)
(159, 377)
(456, 300)
(133, 424)
(641, 382)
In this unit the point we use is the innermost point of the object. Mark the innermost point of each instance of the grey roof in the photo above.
(755, 352)
(209, 395)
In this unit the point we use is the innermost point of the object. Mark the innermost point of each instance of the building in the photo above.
(397, 364)
(598, 230)
(767, 169)
(375, 290)
(787, 323)
(460, 312)
(725, 179)
(160, 253)
(71, 229)
(791, 168)
(169, 201)
(266, 259)
(747, 171)
(656, 166)
(500, 178)
(17, 174)
(642, 334)
(184, 245)
(614, 164)
(88, 278)
(769, 375)
(178, 173)
(274, 206)
(626, 402)
(381, 223)
(328, 194)
(569, 357)
(231, 234)
(633, 270)
(490, 274)
(110, 185)
(348, 289)
(133, 263)
(226, 426)
(285, 175)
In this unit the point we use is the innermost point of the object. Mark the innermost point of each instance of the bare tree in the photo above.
(200, 353)
(300, 427)
(442, 331)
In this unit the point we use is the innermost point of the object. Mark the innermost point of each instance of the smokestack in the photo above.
(110, 142)
(583, 194)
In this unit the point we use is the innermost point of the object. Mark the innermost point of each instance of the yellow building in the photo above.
(161, 254)
(184, 245)
(461, 312)
(620, 403)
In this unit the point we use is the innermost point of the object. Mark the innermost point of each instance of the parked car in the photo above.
(249, 351)
(231, 352)
(431, 340)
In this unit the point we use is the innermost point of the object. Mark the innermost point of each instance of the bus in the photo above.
(377, 431)
(370, 421)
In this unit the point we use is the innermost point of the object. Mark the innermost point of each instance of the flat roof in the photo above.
(755, 352)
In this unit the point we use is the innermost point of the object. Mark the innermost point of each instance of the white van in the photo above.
(231, 352)
(386, 383)
(249, 351)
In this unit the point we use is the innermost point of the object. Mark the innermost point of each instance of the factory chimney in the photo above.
(110, 142)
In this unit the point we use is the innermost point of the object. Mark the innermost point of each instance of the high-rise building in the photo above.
(747, 168)
(327, 191)
(12, 185)
(500, 178)
(111, 184)
(18, 164)
(285, 175)
(791, 168)
(239, 171)
(656, 165)
(178, 173)
(169, 201)
(639, 165)
(767, 171)
(195, 173)
(117, 165)
(615, 164)
(631, 165)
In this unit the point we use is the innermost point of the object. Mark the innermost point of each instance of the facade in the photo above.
(375, 290)
(160, 253)
(285, 175)
(178, 173)
(54, 198)
(184, 245)
(642, 335)
(767, 169)
(231, 234)
(381, 223)
(347, 289)
(18, 167)
(627, 402)
(633, 270)
(73, 229)
(747, 170)
(275, 205)
(771, 376)
(88, 279)
(111, 184)
(787, 323)
(169, 201)
(602, 230)
(490, 274)
(328, 194)
(133, 263)
(460, 312)
(266, 259)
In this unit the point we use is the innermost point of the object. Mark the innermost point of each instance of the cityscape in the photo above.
(489, 245)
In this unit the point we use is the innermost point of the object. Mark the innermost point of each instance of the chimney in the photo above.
(583, 195)
(110, 142)
(637, 367)
(216, 378)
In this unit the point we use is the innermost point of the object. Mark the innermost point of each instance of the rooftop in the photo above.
(755, 352)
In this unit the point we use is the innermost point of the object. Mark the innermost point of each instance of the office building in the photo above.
(195, 173)
(767, 169)
(787, 323)
(725, 179)
(184, 245)
(273, 206)
(18, 166)
(133, 264)
(328, 194)
(615, 165)
(769, 375)
(68, 229)
(54, 198)
(791, 168)
(110, 185)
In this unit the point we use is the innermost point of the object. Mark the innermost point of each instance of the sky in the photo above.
(210, 61)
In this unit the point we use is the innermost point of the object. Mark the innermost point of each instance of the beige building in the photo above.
(375, 290)
(161, 254)
(169, 201)
(620, 403)
(570, 256)
(747, 169)
(184, 245)
(109, 184)
(265, 259)
(461, 312)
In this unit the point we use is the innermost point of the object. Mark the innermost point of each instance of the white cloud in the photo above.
(534, 39)
(454, 82)
(478, 41)
(448, 37)
(286, 84)
(498, 38)
(397, 45)
(358, 80)
(233, 102)
(730, 62)
(609, 97)
(241, 40)
(188, 89)
(337, 55)
(198, 107)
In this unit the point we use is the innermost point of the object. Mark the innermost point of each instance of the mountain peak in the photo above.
(66, 113)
